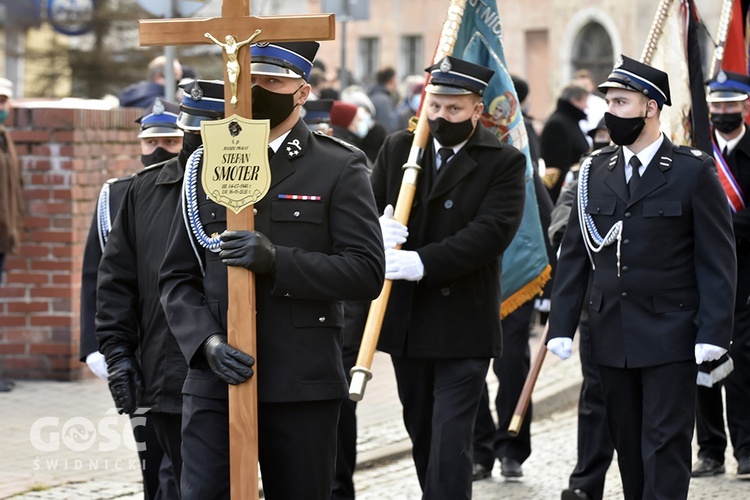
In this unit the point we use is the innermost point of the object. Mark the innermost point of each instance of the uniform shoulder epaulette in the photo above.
(691, 152)
(116, 180)
(603, 151)
(341, 142)
(153, 166)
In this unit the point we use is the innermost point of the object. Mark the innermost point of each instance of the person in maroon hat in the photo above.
(651, 229)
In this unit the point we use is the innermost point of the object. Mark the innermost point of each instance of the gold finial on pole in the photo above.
(656, 30)
(724, 20)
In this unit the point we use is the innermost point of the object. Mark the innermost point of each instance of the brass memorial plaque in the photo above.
(236, 172)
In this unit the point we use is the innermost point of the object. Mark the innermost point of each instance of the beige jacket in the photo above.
(11, 195)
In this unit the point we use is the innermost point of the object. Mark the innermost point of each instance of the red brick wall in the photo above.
(66, 154)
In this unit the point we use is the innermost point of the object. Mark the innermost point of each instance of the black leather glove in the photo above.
(124, 381)
(231, 365)
(248, 249)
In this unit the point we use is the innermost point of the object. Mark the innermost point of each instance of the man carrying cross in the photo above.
(317, 243)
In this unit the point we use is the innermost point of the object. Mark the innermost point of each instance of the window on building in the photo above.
(593, 51)
(411, 60)
(369, 60)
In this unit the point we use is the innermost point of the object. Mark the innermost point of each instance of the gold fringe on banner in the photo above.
(529, 291)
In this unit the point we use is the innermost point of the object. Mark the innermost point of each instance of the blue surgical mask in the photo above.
(4, 115)
(415, 100)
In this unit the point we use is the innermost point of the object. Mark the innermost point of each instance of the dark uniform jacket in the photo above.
(129, 310)
(92, 255)
(327, 251)
(739, 164)
(459, 225)
(677, 278)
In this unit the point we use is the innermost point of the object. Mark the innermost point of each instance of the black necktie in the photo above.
(270, 154)
(635, 176)
(445, 154)
(725, 153)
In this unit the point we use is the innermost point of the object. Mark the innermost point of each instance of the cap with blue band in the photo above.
(458, 77)
(636, 76)
(202, 100)
(728, 86)
(289, 59)
(160, 120)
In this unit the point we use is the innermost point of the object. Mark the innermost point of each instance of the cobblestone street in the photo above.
(545, 474)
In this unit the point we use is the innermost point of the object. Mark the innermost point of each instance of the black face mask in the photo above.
(157, 156)
(624, 131)
(272, 106)
(726, 123)
(450, 133)
(190, 142)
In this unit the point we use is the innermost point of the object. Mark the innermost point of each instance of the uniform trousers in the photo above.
(296, 448)
(167, 429)
(712, 439)
(151, 457)
(650, 413)
(511, 369)
(595, 448)
(440, 397)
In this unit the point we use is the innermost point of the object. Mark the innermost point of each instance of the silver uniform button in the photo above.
(296, 213)
(255, 211)
(322, 319)
(448, 204)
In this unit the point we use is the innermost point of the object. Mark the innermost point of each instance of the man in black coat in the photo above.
(317, 243)
(160, 140)
(146, 367)
(728, 105)
(657, 243)
(562, 141)
(442, 323)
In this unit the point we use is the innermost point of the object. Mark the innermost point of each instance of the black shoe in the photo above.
(743, 468)
(576, 494)
(480, 472)
(510, 467)
(706, 467)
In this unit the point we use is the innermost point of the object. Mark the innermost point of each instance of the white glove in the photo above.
(708, 352)
(542, 305)
(97, 364)
(403, 265)
(562, 347)
(394, 233)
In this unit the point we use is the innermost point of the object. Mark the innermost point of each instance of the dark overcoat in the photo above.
(677, 267)
(92, 255)
(129, 312)
(460, 224)
(328, 250)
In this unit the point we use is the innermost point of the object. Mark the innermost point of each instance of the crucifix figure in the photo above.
(231, 48)
(234, 24)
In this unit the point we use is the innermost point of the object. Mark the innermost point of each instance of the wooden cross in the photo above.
(236, 21)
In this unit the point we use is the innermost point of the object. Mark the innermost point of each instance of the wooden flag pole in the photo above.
(361, 373)
(528, 386)
(241, 327)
